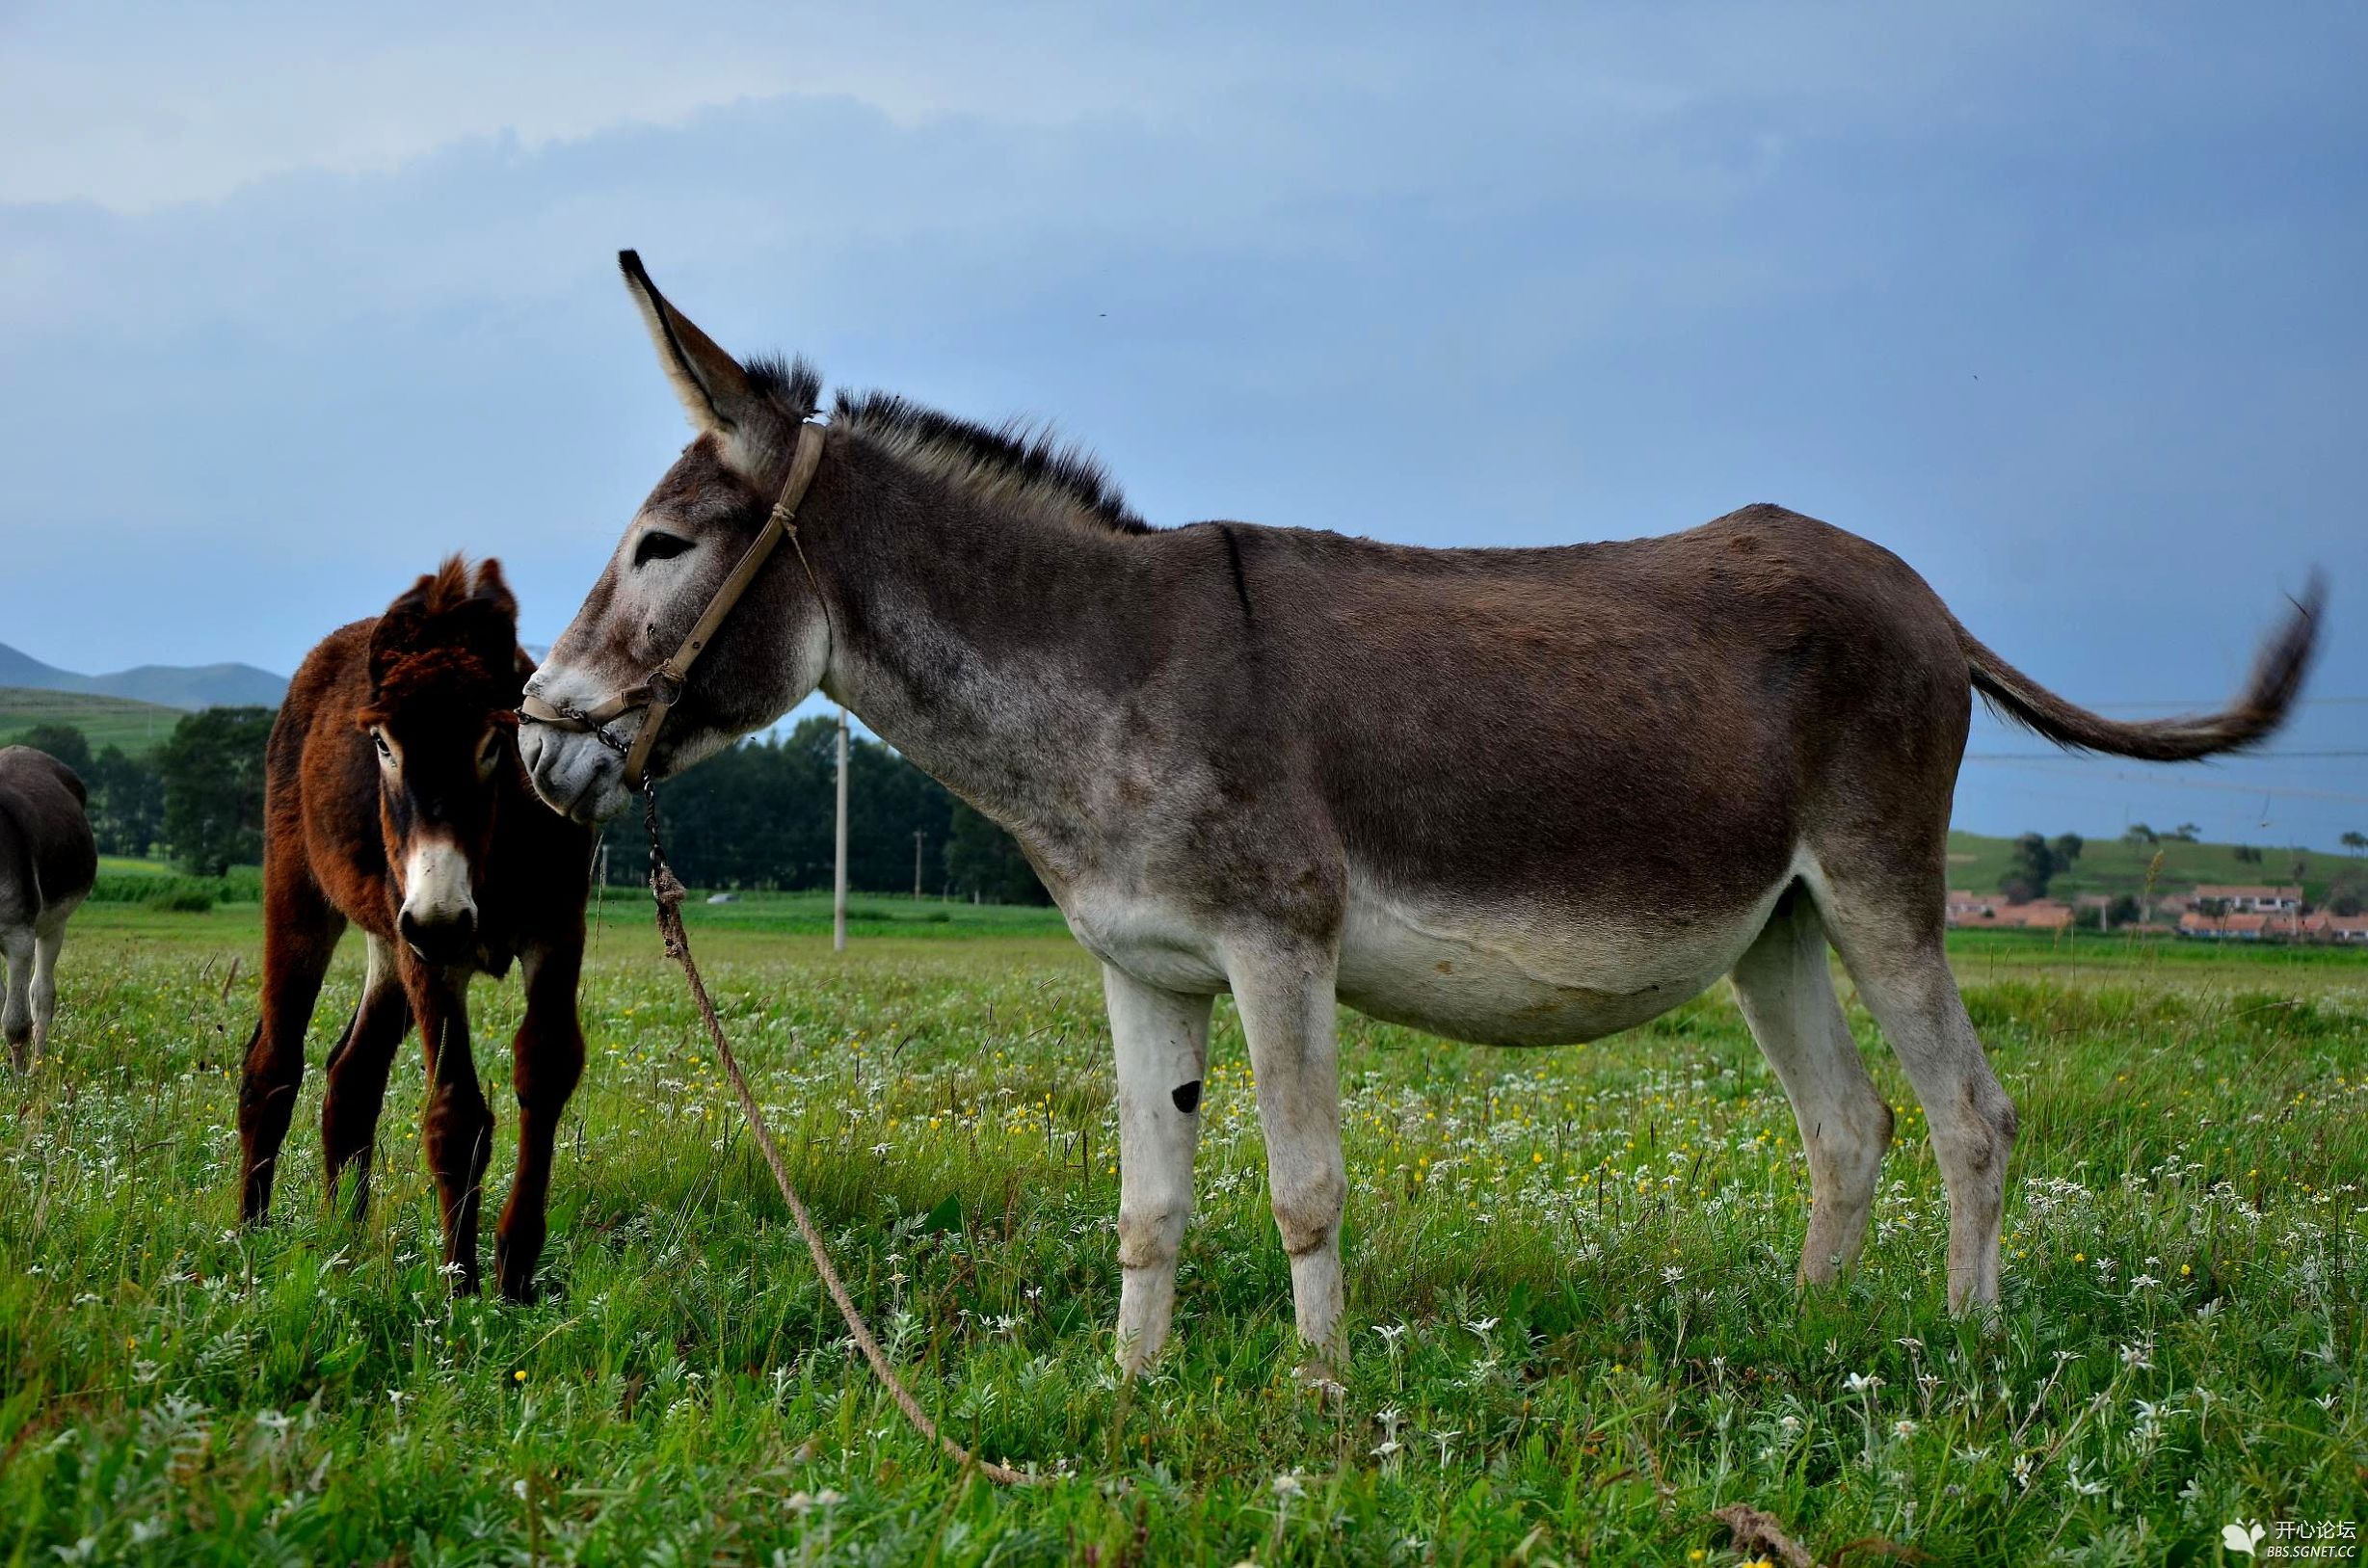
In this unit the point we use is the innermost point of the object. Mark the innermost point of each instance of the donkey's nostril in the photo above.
(446, 939)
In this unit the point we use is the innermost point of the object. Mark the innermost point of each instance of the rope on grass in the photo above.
(667, 890)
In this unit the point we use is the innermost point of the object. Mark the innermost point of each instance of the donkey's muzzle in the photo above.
(450, 939)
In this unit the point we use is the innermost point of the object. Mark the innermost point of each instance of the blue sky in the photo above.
(2063, 304)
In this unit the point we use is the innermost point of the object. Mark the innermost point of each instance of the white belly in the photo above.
(1516, 975)
(1507, 974)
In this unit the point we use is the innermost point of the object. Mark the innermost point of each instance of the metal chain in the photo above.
(599, 731)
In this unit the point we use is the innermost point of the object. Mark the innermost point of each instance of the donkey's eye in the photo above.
(378, 739)
(657, 546)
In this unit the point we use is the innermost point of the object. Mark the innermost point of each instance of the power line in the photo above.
(2215, 784)
(2247, 757)
(2222, 701)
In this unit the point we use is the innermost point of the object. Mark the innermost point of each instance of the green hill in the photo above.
(2109, 866)
(136, 727)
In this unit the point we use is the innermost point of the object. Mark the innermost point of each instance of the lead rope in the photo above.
(667, 892)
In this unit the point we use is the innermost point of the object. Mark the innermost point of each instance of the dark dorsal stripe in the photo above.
(1233, 559)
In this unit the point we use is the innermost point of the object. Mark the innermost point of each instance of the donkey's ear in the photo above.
(716, 392)
(397, 631)
(489, 587)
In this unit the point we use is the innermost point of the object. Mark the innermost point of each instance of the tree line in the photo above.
(762, 815)
(197, 800)
(758, 815)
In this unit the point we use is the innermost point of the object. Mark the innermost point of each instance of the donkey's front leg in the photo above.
(1162, 1044)
(460, 1124)
(1285, 995)
(547, 1059)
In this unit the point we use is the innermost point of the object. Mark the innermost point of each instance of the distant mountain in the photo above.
(169, 686)
(24, 670)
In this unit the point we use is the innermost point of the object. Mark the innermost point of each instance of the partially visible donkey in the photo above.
(47, 863)
(1518, 796)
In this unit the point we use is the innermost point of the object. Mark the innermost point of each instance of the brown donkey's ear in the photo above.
(399, 628)
(716, 392)
(490, 588)
(487, 623)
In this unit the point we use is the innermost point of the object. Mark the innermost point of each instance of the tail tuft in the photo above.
(2256, 716)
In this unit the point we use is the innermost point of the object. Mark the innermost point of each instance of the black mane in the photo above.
(794, 384)
(1028, 452)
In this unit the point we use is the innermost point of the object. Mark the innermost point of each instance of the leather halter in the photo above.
(659, 694)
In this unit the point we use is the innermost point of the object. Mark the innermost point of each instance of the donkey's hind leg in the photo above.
(300, 935)
(48, 940)
(1890, 933)
(355, 1090)
(16, 1012)
(1788, 998)
(1285, 995)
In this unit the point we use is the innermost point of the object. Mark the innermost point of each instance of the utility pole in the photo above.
(917, 836)
(839, 877)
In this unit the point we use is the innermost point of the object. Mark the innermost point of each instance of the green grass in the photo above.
(2108, 865)
(138, 726)
(1582, 1258)
(868, 915)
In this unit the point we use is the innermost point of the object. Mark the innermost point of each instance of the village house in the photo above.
(2318, 926)
(2235, 928)
(1971, 908)
(2244, 913)
(2250, 900)
(2325, 927)
(1990, 911)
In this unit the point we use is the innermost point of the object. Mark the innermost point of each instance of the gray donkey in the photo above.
(1513, 796)
(47, 863)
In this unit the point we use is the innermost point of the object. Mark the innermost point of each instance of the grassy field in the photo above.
(136, 727)
(1570, 1272)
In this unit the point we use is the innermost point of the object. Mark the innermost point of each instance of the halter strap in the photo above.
(663, 689)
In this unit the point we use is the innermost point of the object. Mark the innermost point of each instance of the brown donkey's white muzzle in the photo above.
(439, 918)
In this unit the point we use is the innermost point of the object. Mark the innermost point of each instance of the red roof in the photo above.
(2227, 924)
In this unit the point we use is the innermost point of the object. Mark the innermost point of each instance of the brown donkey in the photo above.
(394, 799)
(1516, 796)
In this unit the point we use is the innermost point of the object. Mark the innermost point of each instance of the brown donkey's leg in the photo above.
(356, 1074)
(547, 1059)
(300, 934)
(459, 1125)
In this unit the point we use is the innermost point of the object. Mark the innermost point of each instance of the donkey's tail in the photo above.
(2267, 700)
